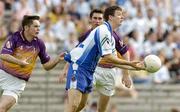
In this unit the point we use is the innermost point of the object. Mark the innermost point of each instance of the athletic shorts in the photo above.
(104, 80)
(11, 85)
(79, 78)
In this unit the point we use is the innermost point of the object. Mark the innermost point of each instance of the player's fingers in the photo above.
(122, 81)
(136, 62)
(62, 54)
(127, 85)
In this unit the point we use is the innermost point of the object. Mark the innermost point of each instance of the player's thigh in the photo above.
(104, 80)
(80, 79)
(104, 75)
(74, 97)
(11, 85)
(6, 102)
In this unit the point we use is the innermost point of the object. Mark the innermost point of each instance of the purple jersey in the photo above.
(17, 46)
(120, 46)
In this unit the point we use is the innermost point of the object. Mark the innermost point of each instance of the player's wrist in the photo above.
(126, 72)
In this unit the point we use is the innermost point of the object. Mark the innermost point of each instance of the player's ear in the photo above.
(26, 27)
(110, 17)
(90, 21)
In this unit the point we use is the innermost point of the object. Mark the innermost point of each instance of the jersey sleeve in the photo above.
(44, 57)
(9, 45)
(105, 41)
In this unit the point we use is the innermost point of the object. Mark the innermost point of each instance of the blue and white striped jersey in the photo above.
(98, 43)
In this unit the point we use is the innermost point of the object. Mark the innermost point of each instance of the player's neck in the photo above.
(112, 25)
(27, 36)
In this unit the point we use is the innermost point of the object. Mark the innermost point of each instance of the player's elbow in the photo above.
(109, 58)
(46, 67)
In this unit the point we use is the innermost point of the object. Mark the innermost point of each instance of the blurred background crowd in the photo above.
(151, 27)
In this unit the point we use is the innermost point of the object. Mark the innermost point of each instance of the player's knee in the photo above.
(80, 107)
(3, 108)
(74, 107)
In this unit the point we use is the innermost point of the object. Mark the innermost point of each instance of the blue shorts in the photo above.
(79, 78)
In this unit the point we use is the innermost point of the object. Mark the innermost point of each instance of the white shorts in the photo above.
(104, 80)
(11, 85)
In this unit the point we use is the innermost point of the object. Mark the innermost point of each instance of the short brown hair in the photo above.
(110, 11)
(95, 11)
(28, 19)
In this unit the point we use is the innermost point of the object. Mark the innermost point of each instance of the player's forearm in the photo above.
(66, 67)
(51, 64)
(127, 57)
(9, 58)
(114, 60)
(124, 67)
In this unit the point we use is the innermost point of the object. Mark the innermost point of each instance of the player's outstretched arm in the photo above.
(11, 59)
(53, 62)
(126, 67)
(114, 60)
(119, 62)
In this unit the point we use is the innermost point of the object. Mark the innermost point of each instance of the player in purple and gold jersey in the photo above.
(18, 58)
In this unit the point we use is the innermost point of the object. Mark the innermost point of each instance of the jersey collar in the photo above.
(109, 26)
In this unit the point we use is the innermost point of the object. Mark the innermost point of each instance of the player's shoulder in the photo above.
(104, 32)
(115, 34)
(39, 40)
(14, 36)
(103, 29)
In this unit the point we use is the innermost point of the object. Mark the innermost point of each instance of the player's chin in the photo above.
(36, 34)
(97, 24)
(120, 24)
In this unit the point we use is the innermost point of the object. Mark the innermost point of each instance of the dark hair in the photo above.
(28, 20)
(95, 11)
(110, 11)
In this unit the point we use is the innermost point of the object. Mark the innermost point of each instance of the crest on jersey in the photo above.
(8, 44)
(73, 78)
(21, 47)
(121, 42)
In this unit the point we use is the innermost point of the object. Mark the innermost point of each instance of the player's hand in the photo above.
(138, 65)
(126, 80)
(24, 63)
(61, 56)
